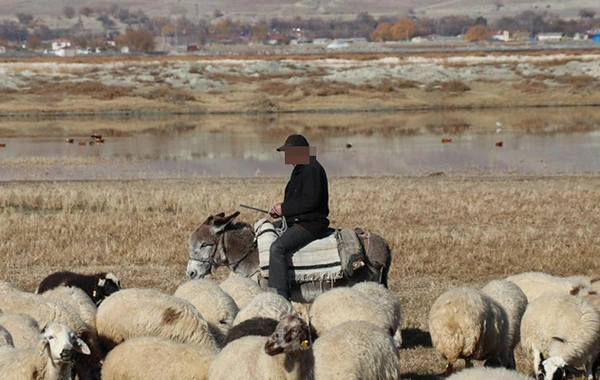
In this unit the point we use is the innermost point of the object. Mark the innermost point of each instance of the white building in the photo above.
(549, 37)
(60, 43)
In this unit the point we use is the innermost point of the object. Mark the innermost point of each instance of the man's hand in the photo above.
(275, 211)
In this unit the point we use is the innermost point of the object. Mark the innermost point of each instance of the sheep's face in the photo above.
(292, 334)
(60, 342)
(555, 368)
(203, 244)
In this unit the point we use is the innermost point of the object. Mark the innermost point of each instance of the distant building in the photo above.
(549, 37)
(322, 41)
(2, 49)
(60, 43)
(501, 35)
(67, 51)
(593, 34)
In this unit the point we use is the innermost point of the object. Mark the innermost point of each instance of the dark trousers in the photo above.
(289, 242)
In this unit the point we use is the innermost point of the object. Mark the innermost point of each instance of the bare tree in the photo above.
(68, 11)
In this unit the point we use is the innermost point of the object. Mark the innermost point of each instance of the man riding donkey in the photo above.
(305, 208)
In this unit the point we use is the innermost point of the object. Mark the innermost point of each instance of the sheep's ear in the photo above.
(42, 344)
(101, 282)
(80, 346)
(114, 278)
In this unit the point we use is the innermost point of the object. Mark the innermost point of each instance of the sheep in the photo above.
(51, 360)
(387, 301)
(343, 304)
(78, 300)
(6, 339)
(266, 305)
(23, 329)
(97, 286)
(216, 306)
(45, 311)
(286, 355)
(241, 289)
(514, 302)
(148, 358)
(254, 326)
(561, 332)
(356, 350)
(479, 373)
(535, 284)
(466, 323)
(131, 313)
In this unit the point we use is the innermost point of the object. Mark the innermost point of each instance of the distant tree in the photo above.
(24, 18)
(403, 29)
(383, 32)
(481, 21)
(86, 11)
(217, 13)
(81, 41)
(33, 42)
(425, 26)
(3, 42)
(477, 33)
(259, 31)
(107, 21)
(113, 10)
(139, 40)
(68, 11)
(587, 13)
(499, 4)
(223, 29)
(168, 30)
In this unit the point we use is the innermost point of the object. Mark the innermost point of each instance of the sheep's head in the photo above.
(108, 284)
(60, 341)
(292, 334)
(555, 368)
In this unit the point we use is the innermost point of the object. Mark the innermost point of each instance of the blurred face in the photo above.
(297, 155)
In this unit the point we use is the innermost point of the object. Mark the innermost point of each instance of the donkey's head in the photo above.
(204, 245)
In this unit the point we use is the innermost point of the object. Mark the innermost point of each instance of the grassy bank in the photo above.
(444, 231)
(279, 84)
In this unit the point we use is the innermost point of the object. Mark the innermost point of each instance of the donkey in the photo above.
(219, 241)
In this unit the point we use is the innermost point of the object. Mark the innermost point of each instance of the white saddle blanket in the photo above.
(317, 261)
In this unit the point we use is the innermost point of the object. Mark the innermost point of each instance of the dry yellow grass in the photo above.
(444, 231)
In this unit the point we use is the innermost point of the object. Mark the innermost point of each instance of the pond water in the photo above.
(392, 145)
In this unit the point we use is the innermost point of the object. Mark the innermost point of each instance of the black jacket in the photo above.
(306, 201)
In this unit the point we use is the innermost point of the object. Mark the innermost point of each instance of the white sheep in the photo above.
(241, 289)
(51, 360)
(216, 306)
(356, 350)
(387, 301)
(131, 313)
(343, 304)
(560, 332)
(41, 309)
(154, 358)
(45, 311)
(482, 373)
(265, 305)
(514, 302)
(285, 355)
(466, 323)
(78, 300)
(6, 339)
(535, 284)
(22, 327)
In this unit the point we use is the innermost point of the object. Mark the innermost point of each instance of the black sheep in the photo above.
(97, 286)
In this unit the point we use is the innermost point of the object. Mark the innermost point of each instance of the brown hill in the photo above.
(260, 9)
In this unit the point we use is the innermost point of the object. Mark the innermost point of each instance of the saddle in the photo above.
(335, 256)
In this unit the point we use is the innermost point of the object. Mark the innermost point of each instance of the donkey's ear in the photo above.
(220, 215)
(219, 224)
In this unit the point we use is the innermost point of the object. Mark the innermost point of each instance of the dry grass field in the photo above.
(444, 231)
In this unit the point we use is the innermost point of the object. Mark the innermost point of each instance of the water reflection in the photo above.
(246, 149)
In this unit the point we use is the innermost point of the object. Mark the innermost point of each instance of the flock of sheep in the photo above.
(556, 320)
(86, 326)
